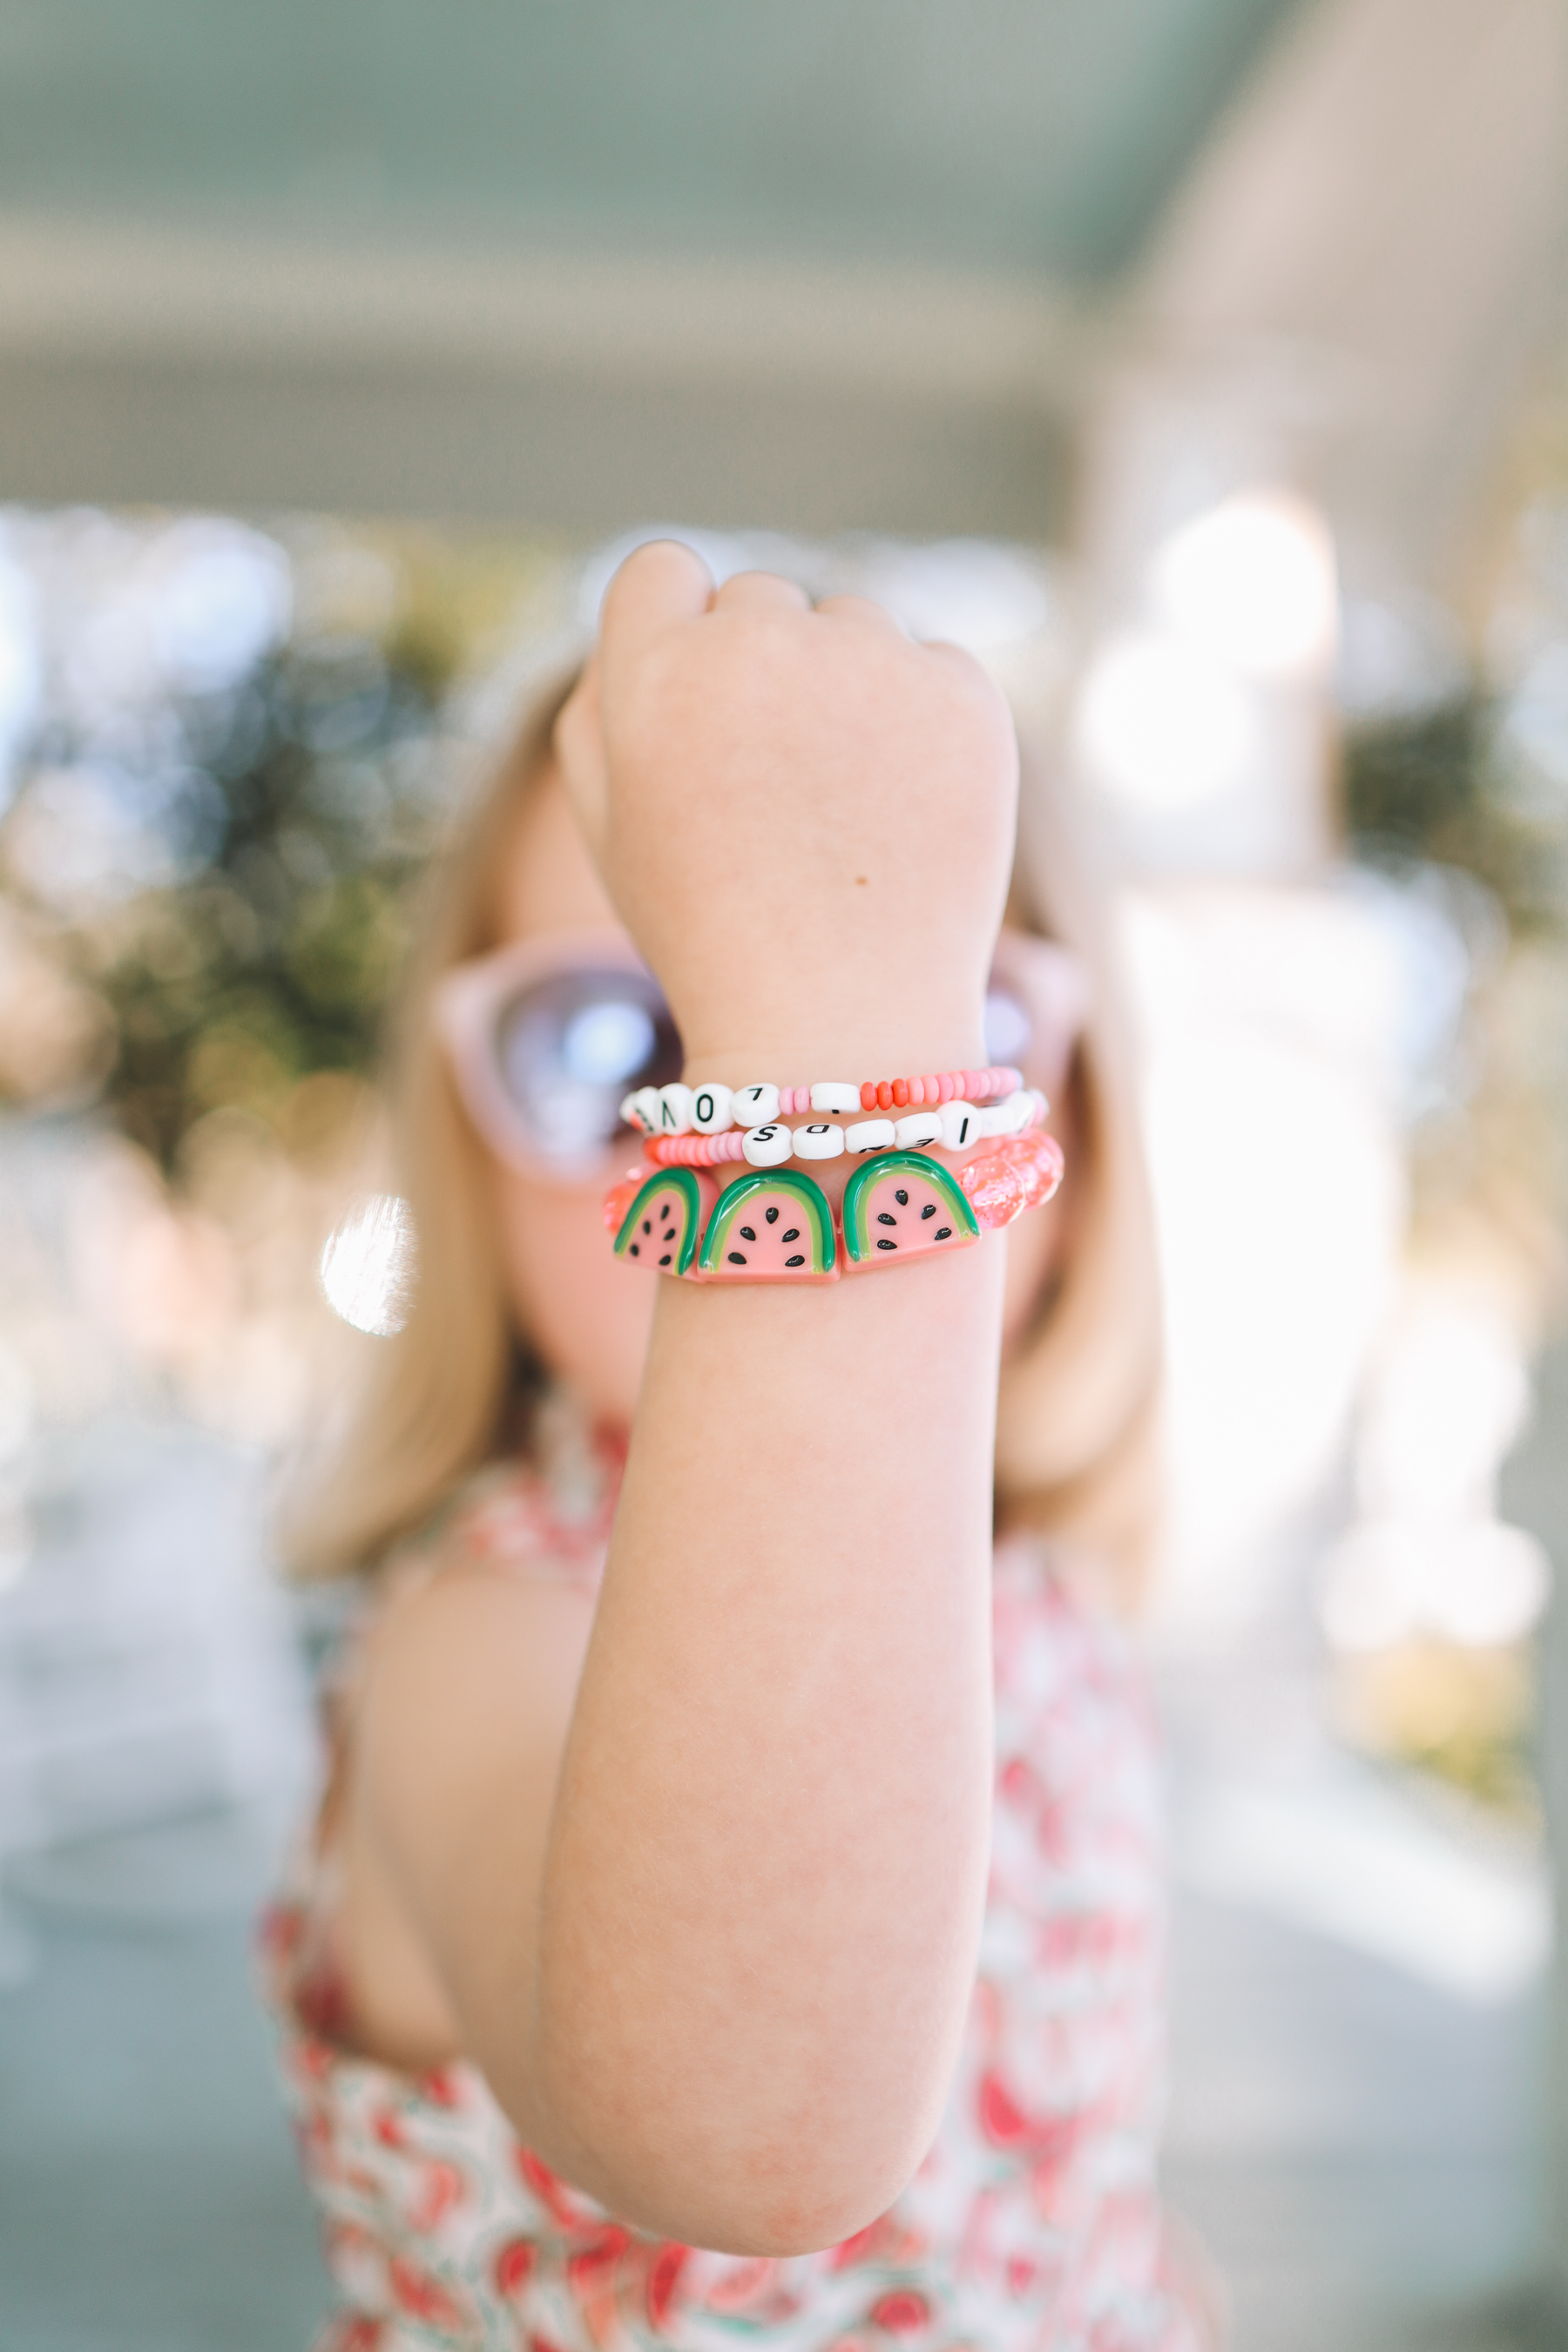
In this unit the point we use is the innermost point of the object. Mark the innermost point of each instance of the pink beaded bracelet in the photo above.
(913, 1094)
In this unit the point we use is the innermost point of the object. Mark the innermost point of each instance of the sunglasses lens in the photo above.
(569, 1049)
(1008, 1028)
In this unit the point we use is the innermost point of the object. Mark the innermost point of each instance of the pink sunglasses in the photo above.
(546, 1038)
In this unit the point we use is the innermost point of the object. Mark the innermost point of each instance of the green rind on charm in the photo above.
(754, 1262)
(916, 1168)
(628, 1241)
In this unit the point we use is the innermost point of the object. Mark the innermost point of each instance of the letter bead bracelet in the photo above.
(668, 1114)
(776, 1225)
(713, 1109)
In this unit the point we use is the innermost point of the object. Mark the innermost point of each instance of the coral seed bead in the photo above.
(884, 1095)
(901, 1092)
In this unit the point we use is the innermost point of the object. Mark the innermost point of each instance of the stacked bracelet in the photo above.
(776, 1225)
(955, 1126)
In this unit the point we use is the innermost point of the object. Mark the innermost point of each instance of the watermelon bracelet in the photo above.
(777, 1224)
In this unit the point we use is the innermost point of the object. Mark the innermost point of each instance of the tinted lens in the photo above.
(569, 1049)
(1008, 1027)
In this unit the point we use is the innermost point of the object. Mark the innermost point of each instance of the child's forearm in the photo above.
(765, 1868)
(769, 1848)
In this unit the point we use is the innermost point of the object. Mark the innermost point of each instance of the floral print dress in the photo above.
(1034, 2220)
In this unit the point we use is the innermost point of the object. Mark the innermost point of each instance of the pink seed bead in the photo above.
(931, 1090)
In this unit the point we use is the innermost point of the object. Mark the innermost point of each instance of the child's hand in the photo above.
(805, 820)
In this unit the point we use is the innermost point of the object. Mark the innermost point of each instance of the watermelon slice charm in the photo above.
(772, 1224)
(664, 1222)
(902, 1204)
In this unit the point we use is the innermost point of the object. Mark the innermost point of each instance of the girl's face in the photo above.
(587, 1313)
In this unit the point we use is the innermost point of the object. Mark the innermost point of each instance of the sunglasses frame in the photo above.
(465, 1002)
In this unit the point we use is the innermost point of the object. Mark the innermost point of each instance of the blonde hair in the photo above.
(1076, 1428)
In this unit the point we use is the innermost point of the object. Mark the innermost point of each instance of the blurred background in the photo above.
(1203, 365)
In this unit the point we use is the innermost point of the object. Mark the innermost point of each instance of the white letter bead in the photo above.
(921, 1127)
(768, 1147)
(869, 1134)
(711, 1109)
(960, 1124)
(994, 1119)
(755, 1107)
(642, 1109)
(675, 1111)
(820, 1141)
(829, 1094)
(1016, 1112)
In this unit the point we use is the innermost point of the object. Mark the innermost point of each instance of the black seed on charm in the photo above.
(887, 1244)
(902, 1199)
(798, 1259)
(886, 1217)
(773, 1217)
(930, 1209)
(736, 1258)
(635, 1248)
(748, 1233)
(793, 1234)
(944, 1232)
(647, 1225)
(665, 1259)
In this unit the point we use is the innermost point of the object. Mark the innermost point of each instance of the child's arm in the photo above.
(721, 1980)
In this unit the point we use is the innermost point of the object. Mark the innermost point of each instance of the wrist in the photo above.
(889, 1041)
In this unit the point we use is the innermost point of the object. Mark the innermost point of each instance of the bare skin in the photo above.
(697, 1877)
